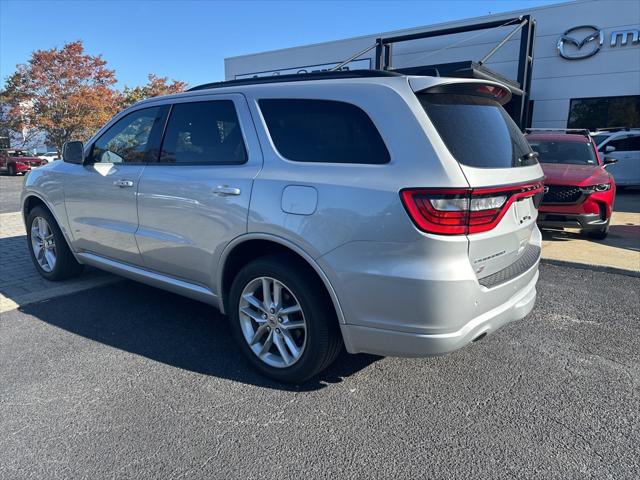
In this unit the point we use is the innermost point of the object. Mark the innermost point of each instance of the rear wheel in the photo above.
(286, 328)
(48, 247)
(11, 170)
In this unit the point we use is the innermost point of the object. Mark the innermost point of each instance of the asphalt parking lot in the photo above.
(127, 381)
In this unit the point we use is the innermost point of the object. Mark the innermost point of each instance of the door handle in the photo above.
(123, 183)
(224, 190)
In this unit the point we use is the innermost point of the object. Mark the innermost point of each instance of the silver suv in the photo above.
(391, 214)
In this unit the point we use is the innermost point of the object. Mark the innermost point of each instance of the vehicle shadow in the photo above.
(625, 237)
(170, 329)
(624, 233)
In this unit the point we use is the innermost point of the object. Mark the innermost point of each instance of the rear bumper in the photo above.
(393, 343)
(412, 300)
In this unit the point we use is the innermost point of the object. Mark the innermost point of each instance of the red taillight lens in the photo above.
(460, 211)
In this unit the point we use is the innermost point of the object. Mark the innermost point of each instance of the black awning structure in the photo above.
(518, 107)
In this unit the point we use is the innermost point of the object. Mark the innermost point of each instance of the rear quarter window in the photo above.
(477, 131)
(323, 131)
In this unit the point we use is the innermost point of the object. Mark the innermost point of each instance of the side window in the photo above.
(323, 131)
(634, 143)
(204, 133)
(129, 140)
(621, 144)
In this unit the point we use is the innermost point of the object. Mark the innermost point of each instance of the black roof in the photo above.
(299, 77)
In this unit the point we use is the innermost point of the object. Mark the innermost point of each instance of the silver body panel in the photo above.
(397, 290)
(626, 172)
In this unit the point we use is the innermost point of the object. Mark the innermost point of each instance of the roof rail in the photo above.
(577, 131)
(298, 77)
(616, 129)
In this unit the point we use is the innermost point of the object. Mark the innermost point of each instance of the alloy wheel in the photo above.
(43, 244)
(272, 322)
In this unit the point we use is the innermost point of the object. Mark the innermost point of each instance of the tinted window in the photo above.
(628, 144)
(576, 153)
(129, 140)
(598, 139)
(477, 131)
(593, 113)
(323, 131)
(204, 133)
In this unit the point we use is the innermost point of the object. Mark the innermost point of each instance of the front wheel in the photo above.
(285, 327)
(48, 248)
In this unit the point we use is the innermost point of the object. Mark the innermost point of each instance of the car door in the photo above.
(100, 196)
(627, 151)
(195, 199)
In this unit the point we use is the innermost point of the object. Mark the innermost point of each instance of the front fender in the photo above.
(47, 186)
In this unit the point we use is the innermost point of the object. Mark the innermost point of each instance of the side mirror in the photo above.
(610, 160)
(609, 149)
(73, 152)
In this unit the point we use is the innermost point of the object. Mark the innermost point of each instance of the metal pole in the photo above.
(524, 71)
(504, 40)
(340, 65)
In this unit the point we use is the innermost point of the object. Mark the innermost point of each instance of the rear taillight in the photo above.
(454, 211)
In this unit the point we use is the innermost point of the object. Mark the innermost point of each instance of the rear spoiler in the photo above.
(481, 88)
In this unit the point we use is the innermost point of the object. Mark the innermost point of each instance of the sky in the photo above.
(189, 40)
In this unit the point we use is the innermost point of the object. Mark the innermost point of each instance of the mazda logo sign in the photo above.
(586, 47)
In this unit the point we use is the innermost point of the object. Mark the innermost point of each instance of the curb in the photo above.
(595, 268)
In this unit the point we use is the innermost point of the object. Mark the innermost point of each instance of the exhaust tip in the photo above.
(480, 337)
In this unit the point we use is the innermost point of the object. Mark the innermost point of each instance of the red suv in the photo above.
(17, 161)
(579, 192)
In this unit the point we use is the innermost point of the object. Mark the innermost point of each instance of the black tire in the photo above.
(11, 170)
(599, 234)
(66, 265)
(323, 339)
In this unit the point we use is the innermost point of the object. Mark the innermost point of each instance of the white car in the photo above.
(50, 156)
(624, 146)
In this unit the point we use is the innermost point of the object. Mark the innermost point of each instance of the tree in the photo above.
(64, 92)
(155, 86)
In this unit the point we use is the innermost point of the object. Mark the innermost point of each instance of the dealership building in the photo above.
(573, 64)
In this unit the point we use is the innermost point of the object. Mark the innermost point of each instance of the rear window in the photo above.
(477, 131)
(574, 153)
(323, 131)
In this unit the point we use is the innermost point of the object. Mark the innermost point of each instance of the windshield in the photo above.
(477, 131)
(598, 139)
(17, 153)
(575, 153)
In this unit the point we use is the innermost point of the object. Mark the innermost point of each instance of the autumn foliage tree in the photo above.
(64, 92)
(156, 86)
